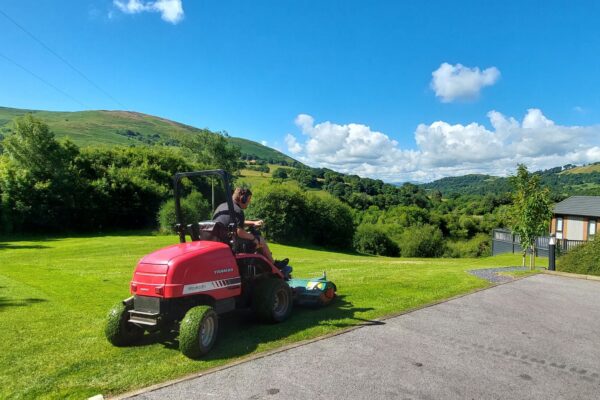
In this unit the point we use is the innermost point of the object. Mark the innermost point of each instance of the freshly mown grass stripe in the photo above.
(55, 294)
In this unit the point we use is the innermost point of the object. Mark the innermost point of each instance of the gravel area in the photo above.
(491, 274)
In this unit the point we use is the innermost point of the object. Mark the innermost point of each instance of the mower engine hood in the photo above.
(188, 268)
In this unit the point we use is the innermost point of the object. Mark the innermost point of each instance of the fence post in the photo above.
(513, 242)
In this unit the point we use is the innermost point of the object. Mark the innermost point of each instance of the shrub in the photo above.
(479, 246)
(584, 259)
(283, 208)
(405, 216)
(194, 208)
(422, 241)
(280, 173)
(330, 222)
(259, 168)
(371, 239)
(305, 178)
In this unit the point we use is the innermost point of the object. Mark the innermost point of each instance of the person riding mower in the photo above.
(186, 286)
(251, 241)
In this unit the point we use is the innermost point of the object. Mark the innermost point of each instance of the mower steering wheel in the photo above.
(254, 230)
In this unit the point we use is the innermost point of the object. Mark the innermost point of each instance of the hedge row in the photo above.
(584, 259)
(46, 185)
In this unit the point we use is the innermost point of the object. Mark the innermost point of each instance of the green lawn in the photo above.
(55, 294)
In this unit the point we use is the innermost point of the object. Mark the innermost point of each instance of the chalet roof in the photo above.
(585, 206)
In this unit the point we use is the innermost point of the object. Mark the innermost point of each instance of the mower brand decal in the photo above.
(207, 286)
(223, 270)
(315, 285)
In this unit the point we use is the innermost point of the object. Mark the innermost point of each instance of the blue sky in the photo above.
(344, 84)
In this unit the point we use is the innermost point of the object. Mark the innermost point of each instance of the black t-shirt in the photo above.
(223, 216)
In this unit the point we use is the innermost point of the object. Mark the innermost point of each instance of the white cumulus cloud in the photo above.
(444, 149)
(452, 82)
(170, 10)
(292, 144)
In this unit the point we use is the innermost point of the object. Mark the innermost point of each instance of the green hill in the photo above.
(563, 182)
(256, 151)
(469, 184)
(128, 128)
(584, 169)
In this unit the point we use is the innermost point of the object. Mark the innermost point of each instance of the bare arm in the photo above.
(257, 223)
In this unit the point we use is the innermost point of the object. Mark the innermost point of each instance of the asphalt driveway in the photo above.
(535, 338)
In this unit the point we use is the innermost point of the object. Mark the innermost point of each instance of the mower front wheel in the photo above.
(198, 331)
(272, 300)
(119, 331)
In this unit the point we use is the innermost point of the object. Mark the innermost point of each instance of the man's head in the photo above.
(242, 197)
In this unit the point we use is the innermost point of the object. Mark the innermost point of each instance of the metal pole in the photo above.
(552, 253)
(212, 184)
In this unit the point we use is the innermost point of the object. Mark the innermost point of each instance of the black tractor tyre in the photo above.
(198, 331)
(272, 300)
(118, 330)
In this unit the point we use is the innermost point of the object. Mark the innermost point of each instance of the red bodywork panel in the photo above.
(185, 269)
(200, 267)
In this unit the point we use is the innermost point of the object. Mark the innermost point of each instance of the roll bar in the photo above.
(224, 175)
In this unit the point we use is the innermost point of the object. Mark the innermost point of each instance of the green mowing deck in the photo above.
(55, 293)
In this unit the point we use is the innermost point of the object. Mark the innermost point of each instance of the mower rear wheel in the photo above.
(272, 300)
(198, 331)
(119, 331)
(328, 295)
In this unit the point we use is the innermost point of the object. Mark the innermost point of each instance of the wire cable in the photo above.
(43, 80)
(55, 54)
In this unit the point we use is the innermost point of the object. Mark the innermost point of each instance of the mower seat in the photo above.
(213, 231)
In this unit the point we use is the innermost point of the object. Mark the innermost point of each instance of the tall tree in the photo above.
(531, 211)
(213, 150)
(33, 147)
(36, 181)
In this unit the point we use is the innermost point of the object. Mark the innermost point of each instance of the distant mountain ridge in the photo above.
(108, 128)
(562, 181)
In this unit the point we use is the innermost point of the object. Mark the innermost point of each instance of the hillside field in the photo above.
(585, 169)
(254, 179)
(109, 128)
(55, 294)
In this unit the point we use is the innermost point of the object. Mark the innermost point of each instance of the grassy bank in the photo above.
(55, 293)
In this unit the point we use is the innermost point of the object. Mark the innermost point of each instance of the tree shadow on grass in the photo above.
(52, 237)
(6, 302)
(10, 246)
(317, 248)
(240, 334)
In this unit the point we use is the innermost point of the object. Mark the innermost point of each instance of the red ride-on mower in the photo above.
(187, 285)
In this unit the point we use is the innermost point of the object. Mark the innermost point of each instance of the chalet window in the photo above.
(591, 229)
(559, 228)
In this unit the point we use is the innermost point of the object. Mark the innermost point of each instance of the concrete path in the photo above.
(535, 338)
